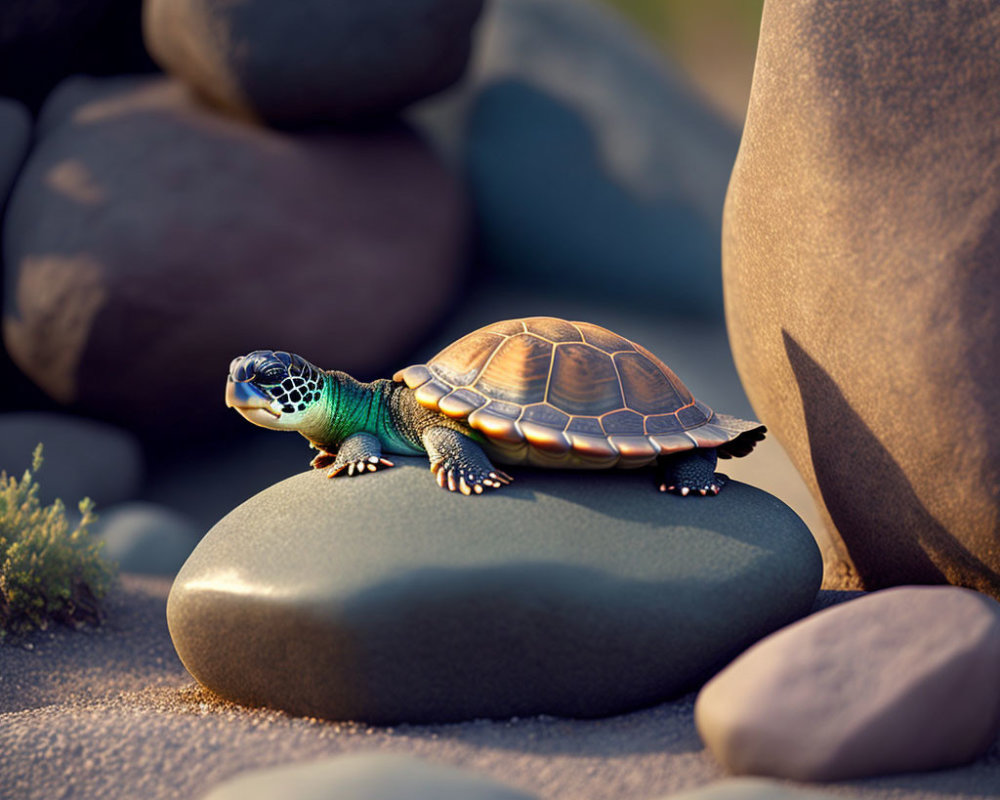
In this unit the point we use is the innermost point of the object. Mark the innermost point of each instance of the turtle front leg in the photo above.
(459, 464)
(690, 471)
(358, 453)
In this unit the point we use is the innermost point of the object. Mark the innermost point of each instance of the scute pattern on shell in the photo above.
(569, 390)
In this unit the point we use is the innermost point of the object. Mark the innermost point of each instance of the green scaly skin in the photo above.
(388, 412)
(382, 408)
(352, 423)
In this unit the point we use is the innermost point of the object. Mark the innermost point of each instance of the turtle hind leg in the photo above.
(459, 464)
(690, 471)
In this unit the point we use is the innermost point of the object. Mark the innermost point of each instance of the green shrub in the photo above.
(47, 572)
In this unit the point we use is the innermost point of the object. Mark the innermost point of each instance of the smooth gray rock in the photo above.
(312, 61)
(150, 241)
(902, 680)
(592, 166)
(364, 776)
(15, 133)
(383, 598)
(82, 457)
(861, 244)
(146, 538)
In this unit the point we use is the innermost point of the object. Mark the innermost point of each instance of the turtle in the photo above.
(540, 391)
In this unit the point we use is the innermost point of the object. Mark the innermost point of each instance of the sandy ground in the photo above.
(111, 713)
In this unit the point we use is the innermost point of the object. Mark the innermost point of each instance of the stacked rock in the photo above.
(151, 230)
(312, 61)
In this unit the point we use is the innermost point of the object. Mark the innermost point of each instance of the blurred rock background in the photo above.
(157, 226)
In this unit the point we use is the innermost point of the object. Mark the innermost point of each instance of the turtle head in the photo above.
(275, 389)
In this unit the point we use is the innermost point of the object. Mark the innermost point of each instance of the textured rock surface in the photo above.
(43, 41)
(146, 538)
(593, 168)
(150, 241)
(901, 680)
(364, 776)
(312, 60)
(383, 598)
(83, 458)
(862, 234)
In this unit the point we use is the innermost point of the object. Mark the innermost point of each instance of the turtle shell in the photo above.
(555, 393)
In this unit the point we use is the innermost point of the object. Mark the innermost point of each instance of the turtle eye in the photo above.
(271, 374)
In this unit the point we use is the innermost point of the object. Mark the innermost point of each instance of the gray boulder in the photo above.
(312, 61)
(593, 168)
(383, 598)
(146, 538)
(82, 457)
(363, 776)
(861, 243)
(150, 241)
(902, 680)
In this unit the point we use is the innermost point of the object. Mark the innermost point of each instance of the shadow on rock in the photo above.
(891, 537)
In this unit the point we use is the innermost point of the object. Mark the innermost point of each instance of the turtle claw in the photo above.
(372, 464)
(358, 454)
(710, 489)
(322, 460)
(468, 480)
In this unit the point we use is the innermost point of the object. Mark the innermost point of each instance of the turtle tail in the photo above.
(745, 435)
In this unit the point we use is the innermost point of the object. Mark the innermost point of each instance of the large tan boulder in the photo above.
(860, 250)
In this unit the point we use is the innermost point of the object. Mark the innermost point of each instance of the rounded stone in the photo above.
(861, 242)
(81, 457)
(364, 776)
(312, 61)
(383, 598)
(902, 680)
(150, 241)
(146, 538)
